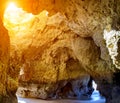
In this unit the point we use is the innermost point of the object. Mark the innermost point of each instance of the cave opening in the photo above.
(15, 20)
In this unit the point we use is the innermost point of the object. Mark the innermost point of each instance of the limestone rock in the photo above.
(7, 86)
(75, 88)
(46, 53)
(112, 43)
(62, 43)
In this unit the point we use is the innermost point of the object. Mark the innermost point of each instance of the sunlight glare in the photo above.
(11, 7)
(94, 85)
(14, 16)
(19, 101)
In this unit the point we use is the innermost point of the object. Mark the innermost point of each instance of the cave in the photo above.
(58, 49)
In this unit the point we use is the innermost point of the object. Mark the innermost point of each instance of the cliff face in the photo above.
(64, 46)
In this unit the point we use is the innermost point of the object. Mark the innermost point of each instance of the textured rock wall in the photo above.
(42, 48)
(112, 42)
(7, 84)
(65, 45)
(88, 19)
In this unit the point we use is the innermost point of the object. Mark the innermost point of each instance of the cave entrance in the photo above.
(94, 85)
(15, 20)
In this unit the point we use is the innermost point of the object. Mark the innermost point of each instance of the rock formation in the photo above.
(60, 48)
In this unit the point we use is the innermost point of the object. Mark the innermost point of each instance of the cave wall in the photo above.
(4, 57)
(7, 88)
(69, 43)
(86, 18)
(45, 56)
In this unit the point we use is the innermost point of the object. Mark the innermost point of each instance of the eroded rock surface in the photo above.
(74, 88)
(64, 43)
(46, 54)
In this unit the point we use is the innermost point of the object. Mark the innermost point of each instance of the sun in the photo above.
(15, 16)
(11, 7)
